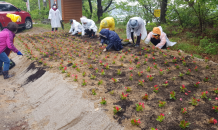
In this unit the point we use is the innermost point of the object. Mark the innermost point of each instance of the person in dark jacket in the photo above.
(111, 39)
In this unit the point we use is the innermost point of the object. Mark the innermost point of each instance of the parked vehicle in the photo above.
(5, 8)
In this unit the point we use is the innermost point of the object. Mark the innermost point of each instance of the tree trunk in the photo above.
(163, 11)
(100, 10)
(45, 3)
(90, 7)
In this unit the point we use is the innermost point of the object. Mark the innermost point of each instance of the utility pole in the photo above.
(39, 4)
(28, 5)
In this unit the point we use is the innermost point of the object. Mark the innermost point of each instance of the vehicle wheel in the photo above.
(28, 23)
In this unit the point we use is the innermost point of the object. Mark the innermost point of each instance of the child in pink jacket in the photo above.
(7, 45)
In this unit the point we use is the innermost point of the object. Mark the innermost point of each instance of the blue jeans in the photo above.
(4, 58)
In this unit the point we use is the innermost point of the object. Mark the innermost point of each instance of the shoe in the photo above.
(6, 76)
(1, 71)
(137, 45)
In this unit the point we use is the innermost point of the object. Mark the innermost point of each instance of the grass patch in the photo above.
(198, 56)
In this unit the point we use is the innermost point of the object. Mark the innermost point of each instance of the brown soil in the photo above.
(198, 115)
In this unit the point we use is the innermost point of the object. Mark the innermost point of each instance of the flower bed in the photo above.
(146, 71)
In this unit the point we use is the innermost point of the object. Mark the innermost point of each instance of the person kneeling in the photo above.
(159, 38)
(111, 39)
(76, 27)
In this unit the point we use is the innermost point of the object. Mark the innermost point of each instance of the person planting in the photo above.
(136, 25)
(6, 46)
(107, 23)
(111, 39)
(88, 27)
(159, 38)
(76, 27)
(55, 17)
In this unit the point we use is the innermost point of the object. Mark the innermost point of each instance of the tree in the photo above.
(163, 11)
(100, 9)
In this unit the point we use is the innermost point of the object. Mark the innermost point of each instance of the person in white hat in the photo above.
(89, 27)
(76, 27)
(136, 25)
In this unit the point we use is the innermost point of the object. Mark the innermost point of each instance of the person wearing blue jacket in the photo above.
(111, 39)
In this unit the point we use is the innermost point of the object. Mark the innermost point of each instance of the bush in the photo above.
(204, 42)
(150, 26)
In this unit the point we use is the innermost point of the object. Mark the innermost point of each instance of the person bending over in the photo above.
(76, 27)
(107, 23)
(88, 27)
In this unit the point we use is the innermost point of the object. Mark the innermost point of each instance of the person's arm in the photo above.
(109, 45)
(50, 14)
(75, 30)
(60, 15)
(92, 24)
(71, 29)
(112, 28)
(162, 42)
(83, 30)
(128, 31)
(10, 44)
(148, 38)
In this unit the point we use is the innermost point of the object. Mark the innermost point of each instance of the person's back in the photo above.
(107, 23)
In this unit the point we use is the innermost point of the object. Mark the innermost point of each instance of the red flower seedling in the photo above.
(168, 69)
(154, 129)
(135, 122)
(136, 58)
(123, 96)
(162, 103)
(196, 68)
(150, 78)
(165, 84)
(68, 74)
(206, 59)
(102, 72)
(140, 106)
(112, 92)
(180, 74)
(174, 59)
(90, 66)
(155, 65)
(103, 101)
(192, 56)
(121, 58)
(206, 79)
(168, 49)
(130, 61)
(149, 69)
(179, 53)
(113, 62)
(40, 61)
(161, 117)
(184, 124)
(166, 63)
(130, 77)
(207, 67)
(64, 70)
(121, 64)
(172, 95)
(84, 82)
(164, 55)
(212, 121)
(146, 56)
(130, 68)
(74, 65)
(100, 82)
(119, 72)
(156, 89)
(145, 62)
(161, 72)
(106, 66)
(114, 80)
(182, 88)
(141, 82)
(153, 54)
(93, 92)
(101, 63)
(183, 110)
(75, 78)
(78, 69)
(216, 90)
(96, 70)
(128, 89)
(153, 59)
(177, 66)
(194, 101)
(93, 77)
(188, 72)
(204, 94)
(140, 53)
(183, 63)
(140, 73)
(138, 65)
(145, 97)
(215, 108)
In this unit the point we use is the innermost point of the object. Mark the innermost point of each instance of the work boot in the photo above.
(6, 76)
(93, 35)
(1, 71)
(138, 41)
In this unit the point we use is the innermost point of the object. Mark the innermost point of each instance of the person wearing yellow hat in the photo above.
(107, 23)
(159, 38)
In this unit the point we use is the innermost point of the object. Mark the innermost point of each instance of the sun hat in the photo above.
(156, 31)
(133, 23)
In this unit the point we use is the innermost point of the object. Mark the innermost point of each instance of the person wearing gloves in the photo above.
(111, 39)
(136, 25)
(88, 27)
(107, 23)
(6, 46)
(159, 38)
(76, 27)
(55, 17)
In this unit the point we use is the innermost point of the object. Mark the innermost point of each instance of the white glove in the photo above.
(130, 40)
(104, 50)
(147, 41)
(90, 29)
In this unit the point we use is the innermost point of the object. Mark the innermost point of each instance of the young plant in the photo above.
(121, 58)
(180, 74)
(93, 92)
(130, 68)
(145, 97)
(166, 63)
(197, 84)
(130, 77)
(75, 78)
(145, 62)
(68, 74)
(78, 69)
(156, 89)
(162, 103)
(103, 101)
(184, 124)
(188, 72)
(183, 63)
(216, 90)
(150, 78)
(183, 110)
(64, 70)
(102, 72)
(161, 117)
(84, 74)
(165, 84)
(196, 68)
(119, 72)
(207, 67)
(93, 77)
(154, 59)
(123, 96)
(206, 59)
(182, 88)
(135, 122)
(177, 66)
(194, 101)
(140, 106)
(179, 53)
(114, 80)
(149, 69)
(155, 65)
(172, 95)
(112, 92)
(136, 58)
(138, 65)
(74, 65)
(204, 94)
(106, 66)
(113, 62)
(84, 82)
(128, 89)
(96, 70)
(206, 79)
(100, 82)
(140, 73)
(141, 82)
(101, 63)
(161, 72)
(212, 121)
(215, 108)
(168, 69)
(174, 59)
(130, 61)
(164, 55)
(153, 128)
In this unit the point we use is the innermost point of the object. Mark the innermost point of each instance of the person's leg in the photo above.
(138, 41)
(93, 34)
(132, 36)
(52, 29)
(6, 60)
(1, 64)
(155, 41)
(90, 33)
(56, 29)
(165, 46)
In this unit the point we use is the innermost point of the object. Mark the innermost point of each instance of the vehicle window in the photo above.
(3, 7)
(11, 8)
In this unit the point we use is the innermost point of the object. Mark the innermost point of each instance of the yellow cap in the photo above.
(156, 31)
